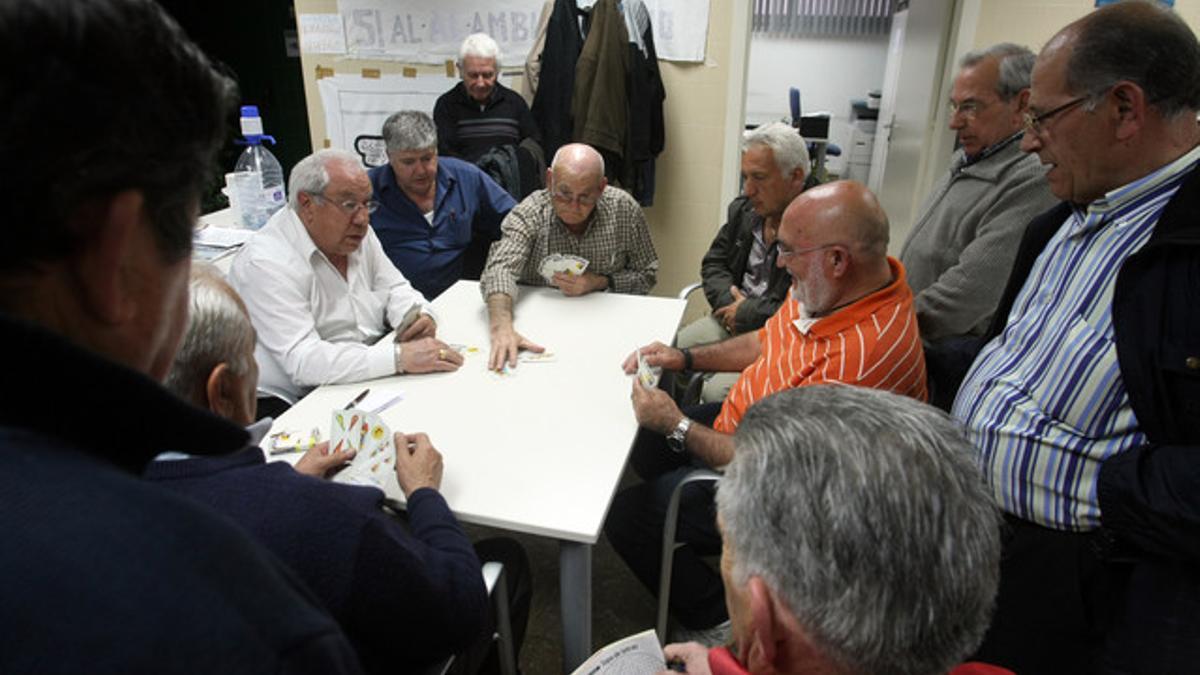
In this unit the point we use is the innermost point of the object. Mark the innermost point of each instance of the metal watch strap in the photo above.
(397, 350)
(677, 439)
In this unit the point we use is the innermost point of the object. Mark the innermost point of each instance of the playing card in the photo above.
(346, 430)
(465, 350)
(294, 441)
(534, 357)
(557, 262)
(647, 374)
(376, 452)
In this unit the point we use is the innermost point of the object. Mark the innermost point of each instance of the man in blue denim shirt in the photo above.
(437, 217)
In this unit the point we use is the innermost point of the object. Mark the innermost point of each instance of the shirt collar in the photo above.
(1120, 200)
(990, 150)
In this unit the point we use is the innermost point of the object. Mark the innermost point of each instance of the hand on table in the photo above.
(506, 344)
(418, 463)
(423, 327)
(654, 408)
(693, 655)
(319, 462)
(579, 284)
(656, 354)
(429, 355)
(727, 315)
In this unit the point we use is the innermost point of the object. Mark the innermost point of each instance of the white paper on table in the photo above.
(380, 396)
(222, 237)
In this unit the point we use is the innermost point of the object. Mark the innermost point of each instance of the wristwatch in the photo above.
(678, 435)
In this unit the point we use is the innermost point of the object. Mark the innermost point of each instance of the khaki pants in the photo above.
(703, 331)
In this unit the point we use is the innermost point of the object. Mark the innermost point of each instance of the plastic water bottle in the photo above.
(259, 178)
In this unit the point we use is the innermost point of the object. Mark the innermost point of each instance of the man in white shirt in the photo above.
(321, 292)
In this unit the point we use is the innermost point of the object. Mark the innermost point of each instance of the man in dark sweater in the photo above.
(479, 113)
(103, 572)
(406, 597)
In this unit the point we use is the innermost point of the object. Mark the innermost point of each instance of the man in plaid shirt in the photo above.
(577, 214)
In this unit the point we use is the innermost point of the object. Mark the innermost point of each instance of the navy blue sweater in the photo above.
(101, 572)
(403, 599)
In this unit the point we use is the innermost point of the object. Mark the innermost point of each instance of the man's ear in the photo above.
(763, 638)
(221, 391)
(1022, 98)
(1130, 109)
(101, 265)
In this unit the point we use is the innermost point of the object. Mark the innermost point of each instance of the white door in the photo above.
(911, 93)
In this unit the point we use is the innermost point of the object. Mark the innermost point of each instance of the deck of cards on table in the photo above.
(557, 262)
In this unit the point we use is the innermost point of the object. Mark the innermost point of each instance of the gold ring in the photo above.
(441, 355)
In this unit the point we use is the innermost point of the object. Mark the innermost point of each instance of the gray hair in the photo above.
(786, 144)
(409, 130)
(1141, 42)
(311, 174)
(865, 513)
(218, 331)
(479, 45)
(1014, 61)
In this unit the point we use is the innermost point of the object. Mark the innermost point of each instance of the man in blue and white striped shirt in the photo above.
(1085, 404)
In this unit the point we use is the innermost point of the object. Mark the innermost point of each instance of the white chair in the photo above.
(669, 545)
(493, 578)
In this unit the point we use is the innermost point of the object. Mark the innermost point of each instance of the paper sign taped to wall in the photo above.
(321, 33)
(355, 106)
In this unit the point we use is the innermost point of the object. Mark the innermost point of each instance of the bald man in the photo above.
(577, 214)
(849, 319)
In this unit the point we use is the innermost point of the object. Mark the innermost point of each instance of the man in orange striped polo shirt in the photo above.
(850, 320)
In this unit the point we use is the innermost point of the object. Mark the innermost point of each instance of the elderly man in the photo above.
(1084, 404)
(961, 247)
(103, 572)
(743, 284)
(479, 113)
(321, 292)
(405, 599)
(577, 214)
(898, 577)
(850, 320)
(436, 217)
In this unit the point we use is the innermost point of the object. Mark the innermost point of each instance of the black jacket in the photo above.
(724, 265)
(1150, 496)
(556, 83)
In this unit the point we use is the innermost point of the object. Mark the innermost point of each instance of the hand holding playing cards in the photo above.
(506, 344)
(656, 354)
(654, 408)
(573, 285)
(418, 463)
(319, 462)
(429, 355)
(423, 327)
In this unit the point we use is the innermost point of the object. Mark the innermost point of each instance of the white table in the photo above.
(540, 451)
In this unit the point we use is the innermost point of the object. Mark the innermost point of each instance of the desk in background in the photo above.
(540, 451)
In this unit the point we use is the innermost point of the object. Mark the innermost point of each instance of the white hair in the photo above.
(786, 144)
(311, 174)
(218, 331)
(409, 130)
(866, 514)
(479, 45)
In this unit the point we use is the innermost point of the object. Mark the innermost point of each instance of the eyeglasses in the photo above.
(785, 252)
(968, 108)
(1036, 123)
(583, 200)
(349, 207)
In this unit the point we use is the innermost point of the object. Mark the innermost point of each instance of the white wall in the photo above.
(828, 71)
